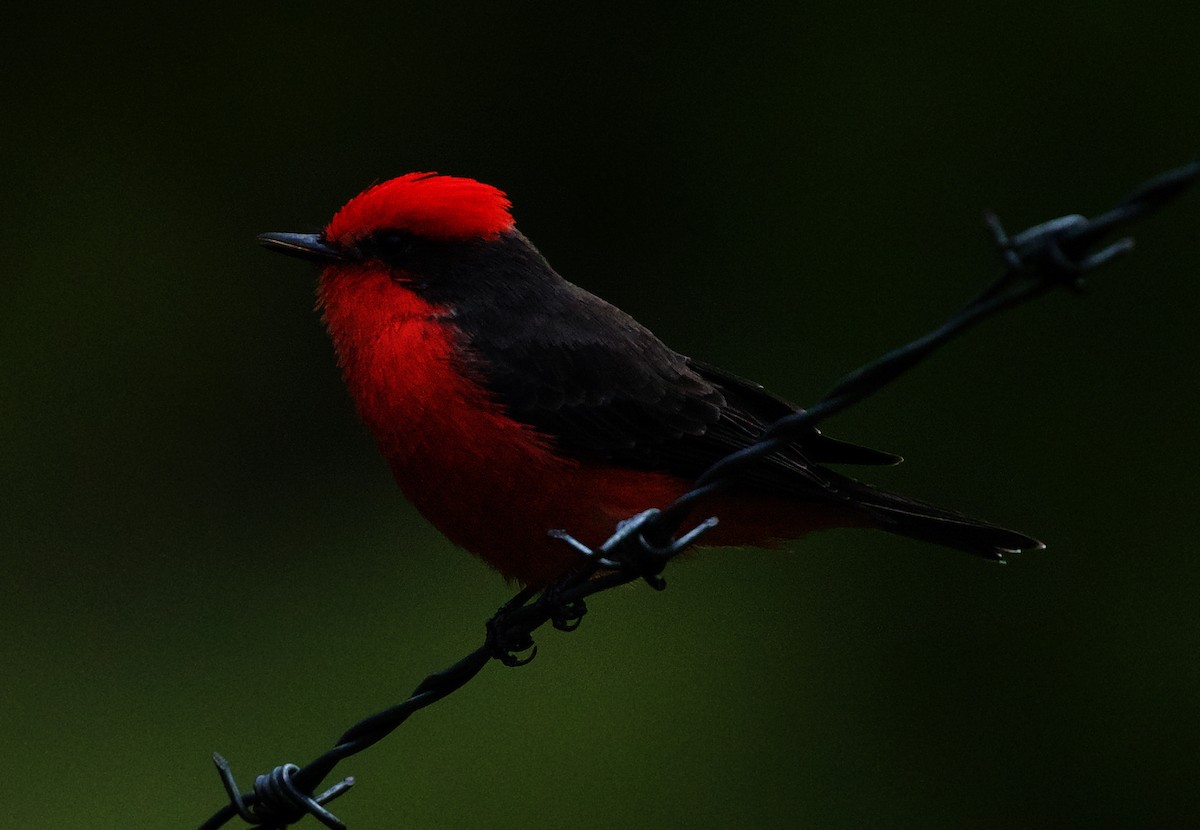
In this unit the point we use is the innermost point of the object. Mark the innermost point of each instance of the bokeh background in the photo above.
(203, 552)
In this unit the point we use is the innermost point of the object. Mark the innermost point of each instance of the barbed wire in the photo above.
(1051, 255)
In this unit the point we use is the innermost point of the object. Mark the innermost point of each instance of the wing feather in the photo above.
(602, 386)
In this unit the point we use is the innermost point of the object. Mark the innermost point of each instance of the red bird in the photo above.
(509, 402)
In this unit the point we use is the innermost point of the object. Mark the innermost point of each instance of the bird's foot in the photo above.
(507, 637)
(565, 614)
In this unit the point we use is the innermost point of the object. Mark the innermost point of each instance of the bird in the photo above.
(509, 402)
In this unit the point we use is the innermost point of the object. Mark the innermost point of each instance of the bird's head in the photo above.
(423, 247)
(386, 221)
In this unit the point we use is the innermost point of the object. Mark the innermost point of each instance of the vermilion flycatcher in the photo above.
(509, 402)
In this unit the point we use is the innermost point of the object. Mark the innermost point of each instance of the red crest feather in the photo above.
(424, 204)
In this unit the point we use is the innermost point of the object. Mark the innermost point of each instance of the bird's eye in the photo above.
(391, 247)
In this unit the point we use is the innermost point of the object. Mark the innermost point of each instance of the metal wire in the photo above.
(1053, 254)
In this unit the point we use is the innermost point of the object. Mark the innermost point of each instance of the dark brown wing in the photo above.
(665, 412)
(603, 386)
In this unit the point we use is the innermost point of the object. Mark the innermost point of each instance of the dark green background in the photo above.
(202, 550)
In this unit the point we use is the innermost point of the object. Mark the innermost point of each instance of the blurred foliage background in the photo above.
(202, 550)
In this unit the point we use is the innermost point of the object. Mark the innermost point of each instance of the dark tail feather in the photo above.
(917, 520)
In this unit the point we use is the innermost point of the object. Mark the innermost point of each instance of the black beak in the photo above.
(302, 245)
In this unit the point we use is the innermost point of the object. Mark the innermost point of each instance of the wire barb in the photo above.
(277, 801)
(1053, 254)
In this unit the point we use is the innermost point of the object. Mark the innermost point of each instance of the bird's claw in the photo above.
(565, 615)
(507, 643)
